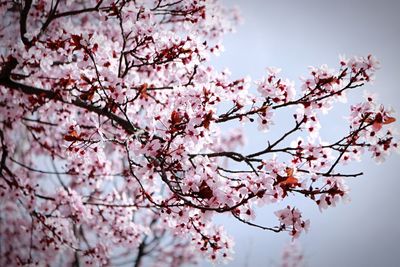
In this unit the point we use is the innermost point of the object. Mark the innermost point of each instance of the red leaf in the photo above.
(289, 180)
(205, 191)
(72, 136)
(207, 119)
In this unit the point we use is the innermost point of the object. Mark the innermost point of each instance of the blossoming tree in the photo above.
(112, 146)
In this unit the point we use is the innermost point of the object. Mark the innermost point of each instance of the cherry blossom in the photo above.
(292, 256)
(120, 142)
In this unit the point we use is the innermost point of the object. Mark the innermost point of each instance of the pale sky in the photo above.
(293, 35)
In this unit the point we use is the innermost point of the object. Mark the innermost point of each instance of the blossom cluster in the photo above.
(112, 136)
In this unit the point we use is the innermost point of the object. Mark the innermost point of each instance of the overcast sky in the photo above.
(294, 35)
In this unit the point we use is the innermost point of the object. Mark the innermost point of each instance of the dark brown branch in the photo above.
(140, 253)
(333, 174)
(353, 137)
(22, 22)
(50, 17)
(53, 15)
(268, 149)
(51, 95)
(4, 153)
(305, 98)
(36, 170)
(241, 115)
(275, 229)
